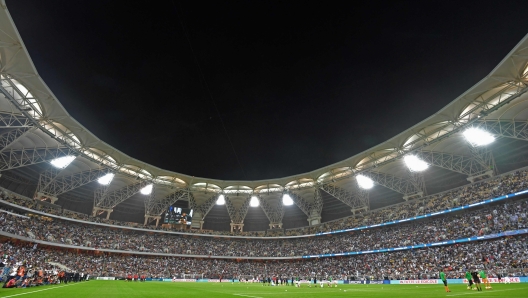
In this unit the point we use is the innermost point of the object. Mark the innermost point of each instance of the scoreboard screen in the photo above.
(177, 215)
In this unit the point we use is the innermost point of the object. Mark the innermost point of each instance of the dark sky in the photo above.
(252, 89)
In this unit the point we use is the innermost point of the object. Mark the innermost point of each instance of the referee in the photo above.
(476, 279)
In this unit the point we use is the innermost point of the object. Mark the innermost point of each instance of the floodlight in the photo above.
(221, 200)
(364, 182)
(254, 202)
(287, 200)
(478, 137)
(147, 190)
(62, 162)
(106, 179)
(415, 164)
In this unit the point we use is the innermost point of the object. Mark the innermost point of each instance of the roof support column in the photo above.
(484, 157)
(200, 212)
(316, 208)
(416, 179)
(273, 213)
(98, 211)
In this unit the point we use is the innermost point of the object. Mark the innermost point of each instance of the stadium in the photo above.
(448, 194)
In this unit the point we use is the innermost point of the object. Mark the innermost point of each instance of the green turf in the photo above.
(103, 289)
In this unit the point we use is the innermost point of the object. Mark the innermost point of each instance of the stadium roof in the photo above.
(34, 121)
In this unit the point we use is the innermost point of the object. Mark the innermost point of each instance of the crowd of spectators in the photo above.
(503, 216)
(501, 255)
(505, 256)
(472, 193)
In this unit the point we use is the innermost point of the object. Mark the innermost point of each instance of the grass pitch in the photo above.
(121, 289)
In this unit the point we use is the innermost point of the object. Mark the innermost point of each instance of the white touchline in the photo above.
(475, 292)
(38, 291)
(247, 296)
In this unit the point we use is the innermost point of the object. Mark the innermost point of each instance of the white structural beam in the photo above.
(312, 209)
(316, 208)
(302, 203)
(51, 185)
(14, 120)
(200, 211)
(237, 215)
(484, 157)
(357, 199)
(467, 165)
(206, 206)
(156, 206)
(12, 159)
(505, 128)
(46, 180)
(417, 180)
(273, 213)
(110, 199)
(10, 137)
(402, 185)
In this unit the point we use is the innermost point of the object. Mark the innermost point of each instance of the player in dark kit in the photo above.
(476, 280)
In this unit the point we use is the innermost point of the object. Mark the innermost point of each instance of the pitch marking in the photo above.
(38, 291)
(479, 292)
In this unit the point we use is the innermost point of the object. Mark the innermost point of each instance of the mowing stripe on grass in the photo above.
(20, 294)
(479, 292)
(247, 296)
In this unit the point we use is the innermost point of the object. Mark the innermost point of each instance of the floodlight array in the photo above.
(220, 200)
(287, 200)
(478, 137)
(147, 190)
(254, 202)
(415, 164)
(106, 179)
(364, 182)
(62, 162)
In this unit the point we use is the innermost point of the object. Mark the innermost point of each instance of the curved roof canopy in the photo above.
(497, 100)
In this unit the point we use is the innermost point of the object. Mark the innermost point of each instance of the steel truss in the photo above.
(51, 185)
(467, 165)
(303, 204)
(108, 200)
(317, 204)
(402, 185)
(484, 105)
(416, 179)
(11, 136)
(237, 215)
(485, 157)
(155, 207)
(12, 120)
(273, 213)
(12, 159)
(358, 199)
(205, 207)
(509, 129)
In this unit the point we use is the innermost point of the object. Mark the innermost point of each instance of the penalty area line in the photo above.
(20, 294)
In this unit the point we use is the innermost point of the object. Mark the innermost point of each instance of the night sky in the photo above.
(252, 89)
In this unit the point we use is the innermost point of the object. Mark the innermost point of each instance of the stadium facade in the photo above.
(35, 130)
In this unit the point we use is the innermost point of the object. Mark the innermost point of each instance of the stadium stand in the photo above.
(476, 192)
(507, 256)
